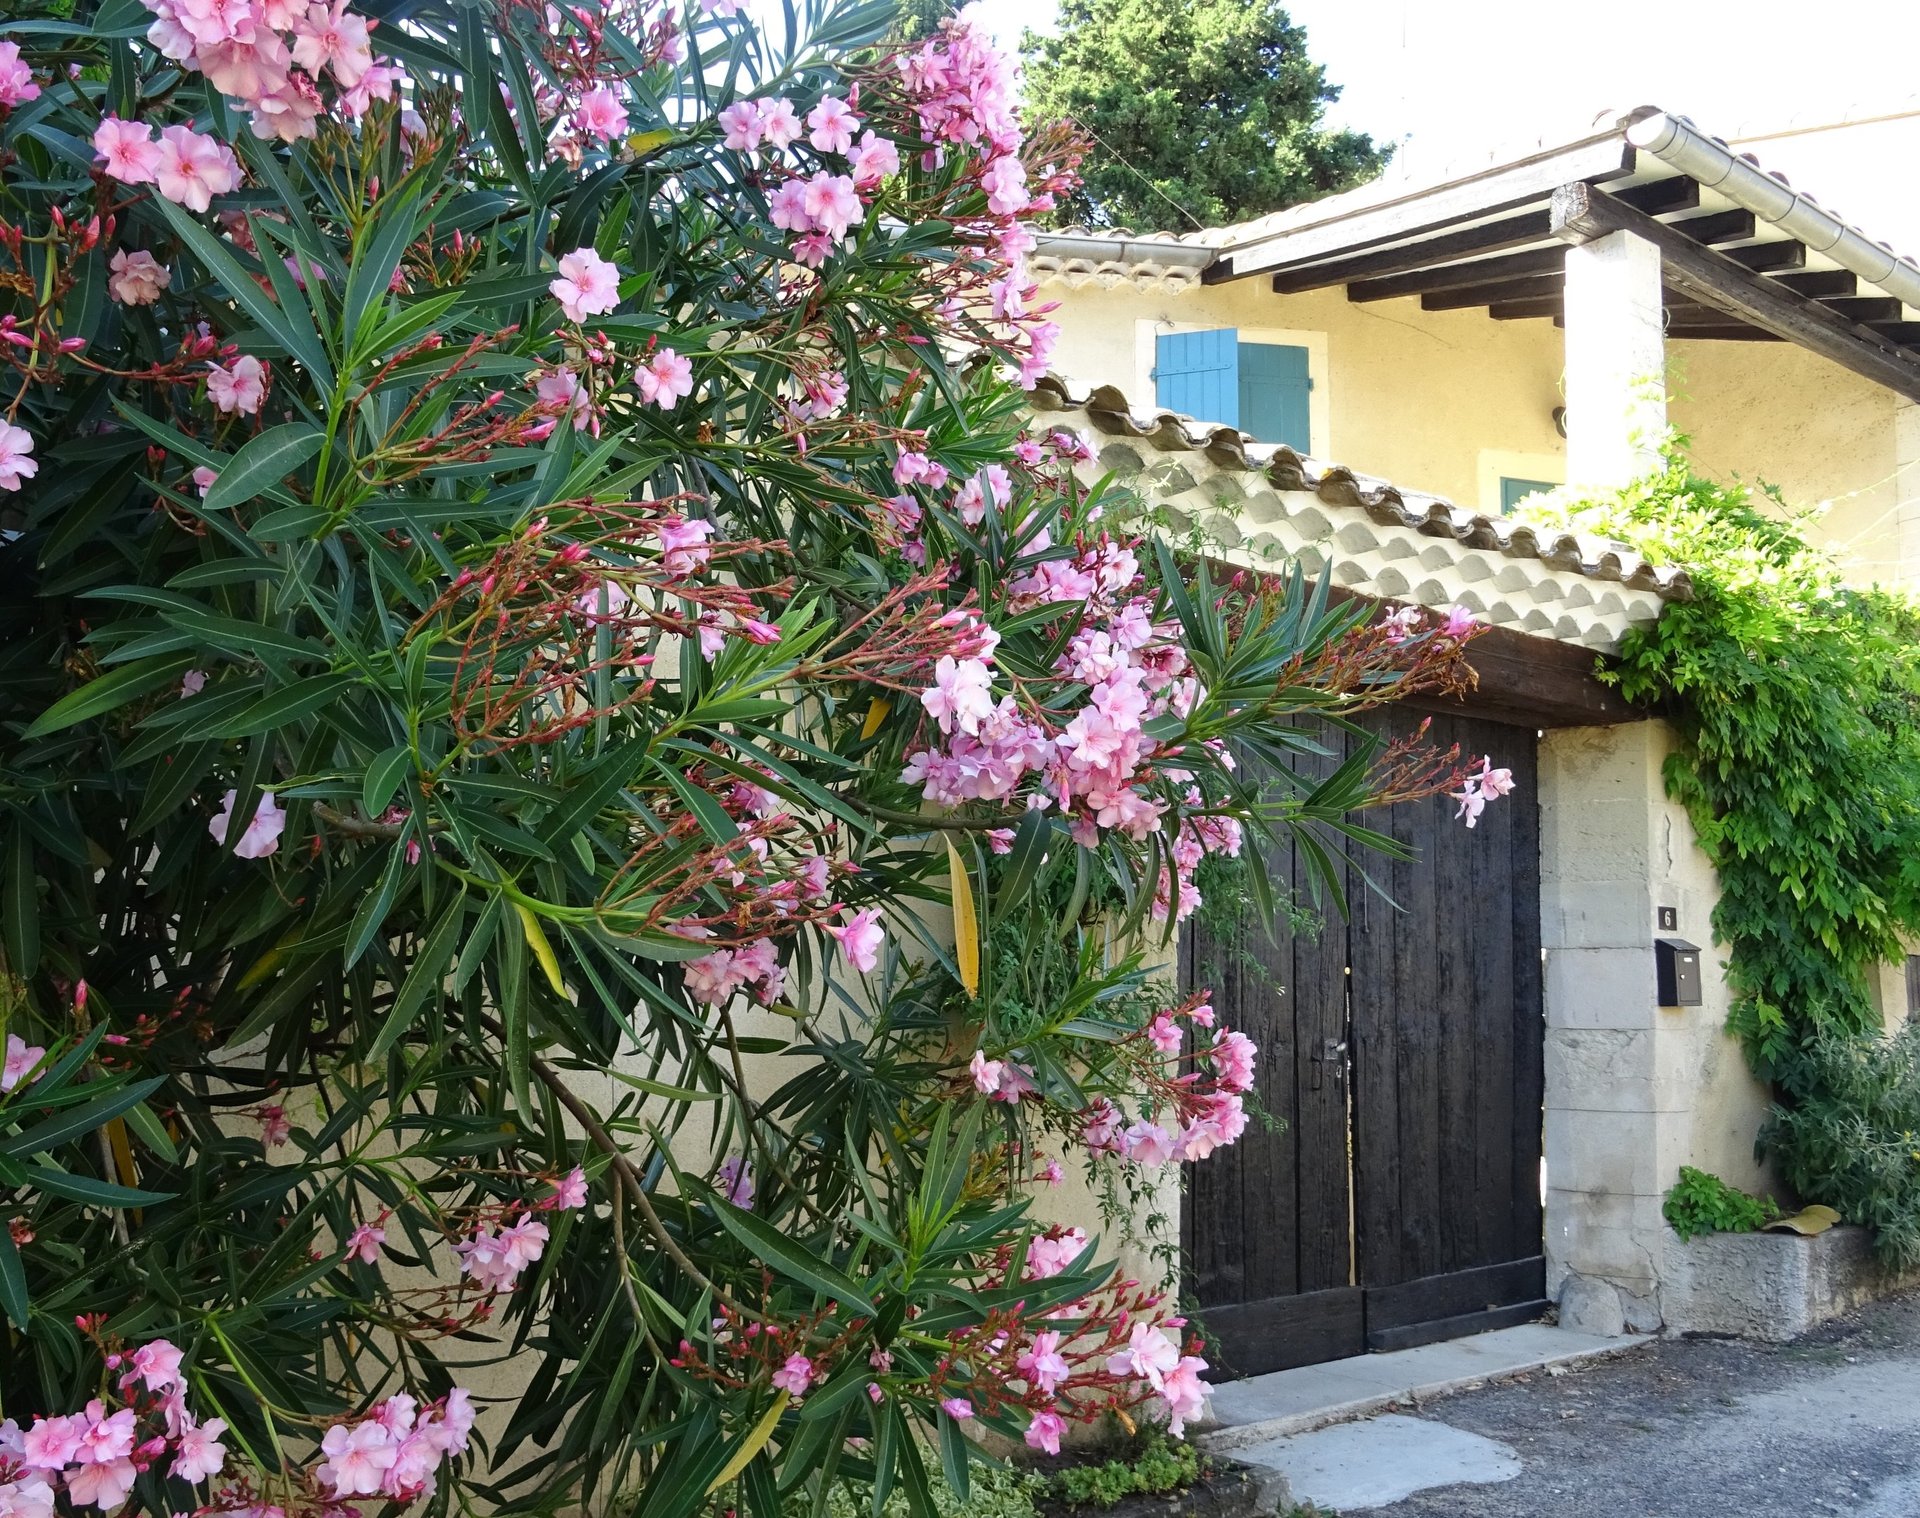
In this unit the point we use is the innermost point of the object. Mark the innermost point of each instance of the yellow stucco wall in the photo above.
(1448, 402)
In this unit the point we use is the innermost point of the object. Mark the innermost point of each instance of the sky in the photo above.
(1450, 80)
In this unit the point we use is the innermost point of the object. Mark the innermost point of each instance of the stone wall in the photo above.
(1634, 1091)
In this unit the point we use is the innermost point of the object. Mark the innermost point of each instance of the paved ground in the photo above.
(1830, 1424)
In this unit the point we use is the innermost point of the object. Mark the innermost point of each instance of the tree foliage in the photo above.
(1199, 111)
(541, 645)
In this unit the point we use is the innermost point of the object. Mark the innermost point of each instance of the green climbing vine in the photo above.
(1798, 701)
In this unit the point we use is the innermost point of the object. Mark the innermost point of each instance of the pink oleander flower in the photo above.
(203, 479)
(736, 1181)
(104, 1437)
(16, 456)
(1459, 623)
(1042, 1363)
(192, 168)
(194, 680)
(1005, 182)
(138, 279)
(1164, 1034)
(1234, 1056)
(787, 207)
(1184, 1393)
(157, 1364)
(561, 389)
(742, 125)
(334, 39)
(364, 1243)
(779, 122)
(1045, 1430)
(587, 285)
(22, 1057)
(358, 1458)
(240, 389)
(104, 1485)
(600, 114)
(832, 204)
(131, 154)
(985, 1072)
(683, 545)
(832, 122)
(874, 159)
(1147, 1143)
(51, 1443)
(961, 697)
(957, 1408)
(1047, 1257)
(198, 1454)
(262, 836)
(1401, 625)
(795, 1376)
(570, 1191)
(1149, 1355)
(860, 938)
(664, 379)
(275, 1129)
(16, 78)
(1052, 1173)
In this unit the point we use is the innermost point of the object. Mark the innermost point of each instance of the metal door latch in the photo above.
(1332, 1053)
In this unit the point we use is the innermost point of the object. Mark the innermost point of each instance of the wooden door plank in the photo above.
(1529, 1001)
(1455, 1292)
(1414, 997)
(1376, 1060)
(1489, 1024)
(1454, 863)
(1252, 1338)
(1319, 996)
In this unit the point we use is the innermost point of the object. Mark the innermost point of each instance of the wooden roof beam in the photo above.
(1461, 276)
(1582, 213)
(1520, 310)
(1502, 290)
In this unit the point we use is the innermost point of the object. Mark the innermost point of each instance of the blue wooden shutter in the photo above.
(1513, 492)
(1195, 372)
(1273, 394)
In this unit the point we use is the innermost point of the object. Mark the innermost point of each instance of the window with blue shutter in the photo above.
(1198, 373)
(1513, 492)
(1273, 394)
(1261, 388)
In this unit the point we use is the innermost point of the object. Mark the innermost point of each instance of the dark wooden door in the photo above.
(1395, 1199)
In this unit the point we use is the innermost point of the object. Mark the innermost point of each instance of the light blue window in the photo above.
(1513, 492)
(1261, 388)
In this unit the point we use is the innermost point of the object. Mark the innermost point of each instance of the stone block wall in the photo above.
(1633, 1090)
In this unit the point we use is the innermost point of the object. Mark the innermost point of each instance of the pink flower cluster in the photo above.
(17, 462)
(713, 978)
(189, 168)
(495, 1258)
(1154, 1357)
(1482, 785)
(95, 1455)
(822, 208)
(17, 85)
(262, 835)
(1100, 768)
(396, 1448)
(1204, 1106)
(271, 56)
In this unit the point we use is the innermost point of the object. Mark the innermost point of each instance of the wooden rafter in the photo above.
(1581, 213)
(1498, 291)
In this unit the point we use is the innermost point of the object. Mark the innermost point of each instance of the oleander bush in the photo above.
(539, 642)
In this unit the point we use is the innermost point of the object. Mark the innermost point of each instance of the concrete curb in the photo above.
(1421, 1376)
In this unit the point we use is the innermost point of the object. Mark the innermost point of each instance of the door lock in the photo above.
(1332, 1053)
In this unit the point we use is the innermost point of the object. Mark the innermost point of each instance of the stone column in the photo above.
(1616, 357)
(1633, 1090)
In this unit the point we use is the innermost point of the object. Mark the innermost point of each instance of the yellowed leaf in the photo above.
(756, 1441)
(643, 143)
(1807, 1222)
(542, 950)
(268, 963)
(877, 710)
(966, 923)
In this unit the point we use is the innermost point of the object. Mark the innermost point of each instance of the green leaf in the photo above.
(371, 915)
(776, 1249)
(280, 710)
(383, 778)
(423, 979)
(110, 691)
(303, 344)
(23, 904)
(262, 462)
(13, 1282)
(84, 1188)
(65, 1126)
(139, 1117)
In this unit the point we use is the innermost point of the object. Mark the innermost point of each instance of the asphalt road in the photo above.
(1828, 1424)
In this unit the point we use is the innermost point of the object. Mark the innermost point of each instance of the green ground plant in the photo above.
(1702, 1203)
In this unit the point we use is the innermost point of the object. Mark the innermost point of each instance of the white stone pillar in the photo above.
(1616, 361)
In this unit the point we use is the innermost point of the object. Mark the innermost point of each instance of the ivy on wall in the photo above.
(1797, 699)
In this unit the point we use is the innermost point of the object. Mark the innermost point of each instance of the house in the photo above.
(1481, 335)
(1490, 1079)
